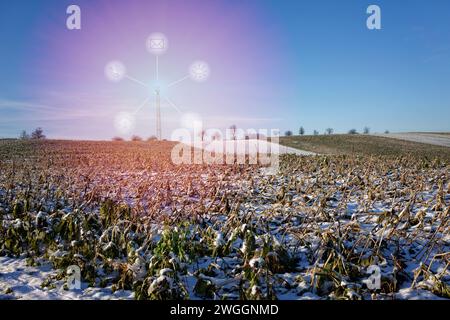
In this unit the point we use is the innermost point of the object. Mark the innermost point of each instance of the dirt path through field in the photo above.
(429, 138)
(252, 146)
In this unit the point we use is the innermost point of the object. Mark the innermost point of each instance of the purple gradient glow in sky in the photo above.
(274, 64)
(225, 35)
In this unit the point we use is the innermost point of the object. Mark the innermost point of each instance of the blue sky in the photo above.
(274, 64)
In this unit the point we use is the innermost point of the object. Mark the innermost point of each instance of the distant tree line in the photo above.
(37, 134)
(135, 138)
(329, 131)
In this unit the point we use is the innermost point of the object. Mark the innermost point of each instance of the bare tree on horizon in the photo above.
(24, 135)
(233, 129)
(38, 134)
(301, 131)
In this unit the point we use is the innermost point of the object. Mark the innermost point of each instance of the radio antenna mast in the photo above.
(158, 115)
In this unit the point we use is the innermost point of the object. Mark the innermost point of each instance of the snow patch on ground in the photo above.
(249, 147)
(19, 281)
(429, 138)
(416, 294)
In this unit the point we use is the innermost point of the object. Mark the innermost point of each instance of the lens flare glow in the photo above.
(199, 71)
(157, 43)
(191, 121)
(115, 71)
(124, 122)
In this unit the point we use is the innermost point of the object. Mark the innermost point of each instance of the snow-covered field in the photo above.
(21, 281)
(249, 147)
(429, 138)
(139, 227)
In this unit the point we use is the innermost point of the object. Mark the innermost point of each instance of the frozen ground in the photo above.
(252, 146)
(429, 138)
(20, 281)
(220, 232)
(23, 282)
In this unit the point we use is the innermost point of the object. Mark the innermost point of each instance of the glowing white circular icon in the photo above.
(157, 43)
(199, 71)
(191, 121)
(124, 122)
(115, 71)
